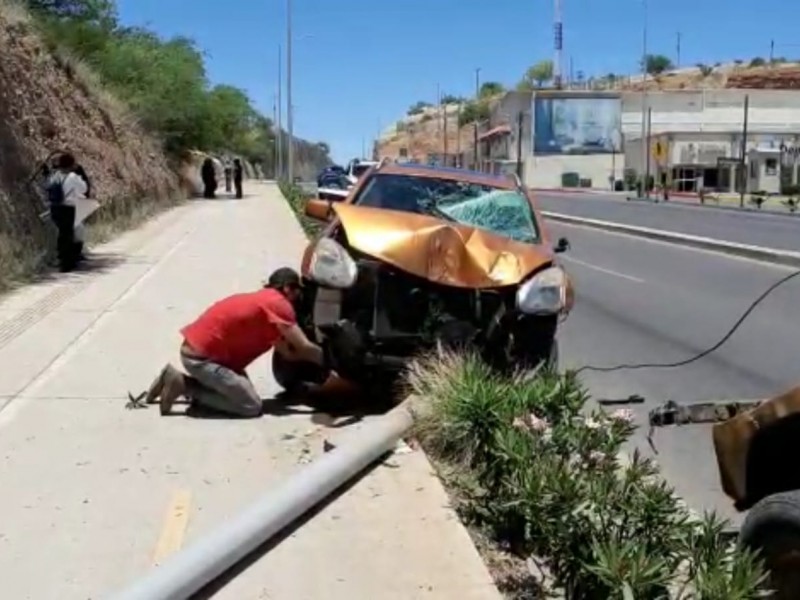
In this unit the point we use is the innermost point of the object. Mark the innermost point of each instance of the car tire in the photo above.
(772, 527)
(293, 376)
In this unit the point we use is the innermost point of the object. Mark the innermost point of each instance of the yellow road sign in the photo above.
(659, 150)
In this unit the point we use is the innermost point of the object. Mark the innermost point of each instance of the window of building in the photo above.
(771, 166)
(403, 152)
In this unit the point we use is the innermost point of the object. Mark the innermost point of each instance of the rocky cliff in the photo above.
(50, 103)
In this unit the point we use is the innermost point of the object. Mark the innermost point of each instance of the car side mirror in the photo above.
(562, 245)
(319, 209)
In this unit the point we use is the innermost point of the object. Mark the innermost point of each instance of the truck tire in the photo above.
(772, 527)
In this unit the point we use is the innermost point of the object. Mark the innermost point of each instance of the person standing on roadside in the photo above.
(209, 177)
(80, 229)
(220, 344)
(237, 177)
(228, 175)
(64, 188)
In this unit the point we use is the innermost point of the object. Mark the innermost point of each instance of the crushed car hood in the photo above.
(437, 250)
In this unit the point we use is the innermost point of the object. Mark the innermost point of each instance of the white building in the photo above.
(696, 137)
(595, 138)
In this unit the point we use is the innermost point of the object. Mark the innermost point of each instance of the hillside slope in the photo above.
(48, 104)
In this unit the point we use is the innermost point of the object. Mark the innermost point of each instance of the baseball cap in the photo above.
(284, 277)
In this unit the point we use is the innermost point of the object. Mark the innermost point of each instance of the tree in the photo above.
(83, 10)
(475, 110)
(452, 99)
(537, 75)
(705, 70)
(758, 62)
(418, 108)
(490, 88)
(656, 64)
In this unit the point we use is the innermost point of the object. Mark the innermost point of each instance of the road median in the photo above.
(760, 253)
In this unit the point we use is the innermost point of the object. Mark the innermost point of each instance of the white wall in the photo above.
(546, 171)
(720, 111)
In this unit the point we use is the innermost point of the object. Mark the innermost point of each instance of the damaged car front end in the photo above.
(415, 260)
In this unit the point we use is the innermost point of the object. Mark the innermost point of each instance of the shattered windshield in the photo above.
(501, 211)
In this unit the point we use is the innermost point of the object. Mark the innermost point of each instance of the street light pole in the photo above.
(475, 133)
(289, 108)
(279, 135)
(645, 148)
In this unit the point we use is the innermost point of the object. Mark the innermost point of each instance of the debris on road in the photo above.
(135, 402)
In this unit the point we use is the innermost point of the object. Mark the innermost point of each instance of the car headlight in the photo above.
(544, 293)
(331, 265)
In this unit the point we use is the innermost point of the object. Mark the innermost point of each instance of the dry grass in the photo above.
(124, 214)
(14, 13)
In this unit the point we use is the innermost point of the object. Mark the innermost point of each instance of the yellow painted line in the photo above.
(174, 527)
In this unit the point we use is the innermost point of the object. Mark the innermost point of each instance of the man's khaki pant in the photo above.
(213, 386)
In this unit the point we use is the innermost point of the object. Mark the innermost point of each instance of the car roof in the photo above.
(451, 173)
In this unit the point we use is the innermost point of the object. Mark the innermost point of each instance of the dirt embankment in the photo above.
(50, 103)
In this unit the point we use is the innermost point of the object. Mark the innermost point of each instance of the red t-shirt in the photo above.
(237, 330)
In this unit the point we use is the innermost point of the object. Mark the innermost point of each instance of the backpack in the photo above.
(55, 191)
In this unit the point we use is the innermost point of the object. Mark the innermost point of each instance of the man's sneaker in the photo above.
(174, 387)
(154, 391)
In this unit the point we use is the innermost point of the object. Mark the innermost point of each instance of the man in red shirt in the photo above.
(226, 338)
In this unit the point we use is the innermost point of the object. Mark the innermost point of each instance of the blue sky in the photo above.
(359, 64)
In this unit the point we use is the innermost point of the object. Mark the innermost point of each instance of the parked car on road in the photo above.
(358, 167)
(417, 257)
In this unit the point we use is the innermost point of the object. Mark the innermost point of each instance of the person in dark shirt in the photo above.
(237, 177)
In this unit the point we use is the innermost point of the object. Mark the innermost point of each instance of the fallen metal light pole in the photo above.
(201, 563)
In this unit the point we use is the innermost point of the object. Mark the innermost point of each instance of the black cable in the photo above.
(704, 353)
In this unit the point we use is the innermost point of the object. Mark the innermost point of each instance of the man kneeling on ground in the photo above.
(226, 338)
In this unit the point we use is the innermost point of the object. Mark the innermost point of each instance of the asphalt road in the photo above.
(642, 301)
(745, 227)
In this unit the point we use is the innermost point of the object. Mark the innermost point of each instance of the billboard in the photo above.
(576, 125)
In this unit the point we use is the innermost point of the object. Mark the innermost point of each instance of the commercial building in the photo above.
(594, 139)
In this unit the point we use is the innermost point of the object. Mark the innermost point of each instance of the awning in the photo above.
(499, 130)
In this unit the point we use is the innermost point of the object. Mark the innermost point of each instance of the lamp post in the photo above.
(289, 108)
(279, 133)
(477, 94)
(645, 145)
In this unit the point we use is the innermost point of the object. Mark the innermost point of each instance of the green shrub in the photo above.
(163, 81)
(296, 198)
(542, 476)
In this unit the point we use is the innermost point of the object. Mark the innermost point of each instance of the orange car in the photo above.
(418, 257)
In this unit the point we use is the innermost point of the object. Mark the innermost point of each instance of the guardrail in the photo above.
(760, 253)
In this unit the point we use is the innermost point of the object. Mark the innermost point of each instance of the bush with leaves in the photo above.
(164, 81)
(473, 111)
(541, 476)
(297, 198)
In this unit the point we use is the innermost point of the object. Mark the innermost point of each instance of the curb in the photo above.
(760, 253)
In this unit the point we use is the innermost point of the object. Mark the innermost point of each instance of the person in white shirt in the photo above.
(65, 188)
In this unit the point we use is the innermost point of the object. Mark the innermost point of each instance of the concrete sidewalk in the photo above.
(92, 495)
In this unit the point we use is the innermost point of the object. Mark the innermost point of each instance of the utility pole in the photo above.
(647, 168)
(771, 51)
(558, 45)
(743, 152)
(280, 115)
(645, 149)
(477, 95)
(458, 135)
(444, 134)
(289, 107)
(439, 112)
(519, 144)
(678, 63)
(275, 157)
